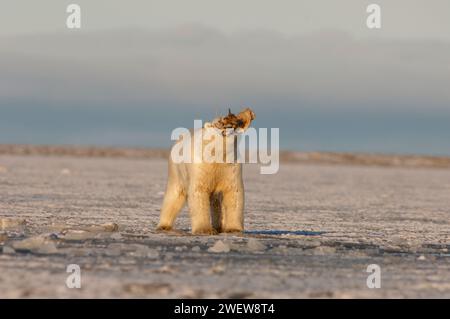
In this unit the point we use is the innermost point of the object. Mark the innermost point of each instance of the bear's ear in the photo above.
(250, 112)
(208, 125)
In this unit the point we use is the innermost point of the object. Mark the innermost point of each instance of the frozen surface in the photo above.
(311, 231)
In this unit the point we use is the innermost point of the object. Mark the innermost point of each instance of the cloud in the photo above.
(325, 90)
(198, 65)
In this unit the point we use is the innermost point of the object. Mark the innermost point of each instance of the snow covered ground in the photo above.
(311, 231)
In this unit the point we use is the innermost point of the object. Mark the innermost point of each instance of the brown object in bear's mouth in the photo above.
(232, 121)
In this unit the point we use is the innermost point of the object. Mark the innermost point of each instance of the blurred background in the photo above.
(138, 69)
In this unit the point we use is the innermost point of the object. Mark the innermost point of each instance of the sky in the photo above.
(138, 69)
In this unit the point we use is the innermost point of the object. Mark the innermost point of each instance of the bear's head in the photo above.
(233, 124)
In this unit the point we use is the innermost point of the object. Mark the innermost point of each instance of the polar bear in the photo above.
(214, 191)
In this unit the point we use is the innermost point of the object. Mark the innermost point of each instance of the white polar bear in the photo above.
(214, 191)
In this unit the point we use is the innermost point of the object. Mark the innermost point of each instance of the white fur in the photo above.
(214, 193)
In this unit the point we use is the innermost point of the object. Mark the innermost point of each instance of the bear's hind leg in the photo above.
(199, 208)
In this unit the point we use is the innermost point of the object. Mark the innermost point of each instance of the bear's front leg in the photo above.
(233, 209)
(199, 205)
(174, 200)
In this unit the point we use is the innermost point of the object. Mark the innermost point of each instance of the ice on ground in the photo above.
(255, 245)
(37, 244)
(8, 223)
(219, 247)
